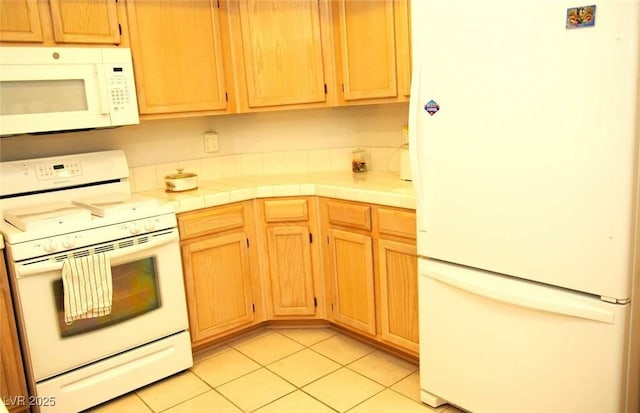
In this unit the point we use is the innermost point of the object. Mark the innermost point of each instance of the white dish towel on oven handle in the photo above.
(87, 286)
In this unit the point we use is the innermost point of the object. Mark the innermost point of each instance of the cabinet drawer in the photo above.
(350, 215)
(395, 222)
(195, 224)
(286, 210)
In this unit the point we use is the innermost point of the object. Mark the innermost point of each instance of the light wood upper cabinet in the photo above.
(60, 21)
(372, 46)
(20, 21)
(85, 21)
(178, 56)
(280, 47)
(403, 46)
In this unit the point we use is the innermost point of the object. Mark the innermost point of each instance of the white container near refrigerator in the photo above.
(524, 140)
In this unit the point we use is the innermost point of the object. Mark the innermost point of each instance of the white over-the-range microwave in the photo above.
(48, 89)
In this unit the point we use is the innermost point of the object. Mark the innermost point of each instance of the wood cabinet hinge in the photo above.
(332, 307)
(253, 307)
(327, 239)
(343, 87)
(218, 3)
(226, 97)
(315, 301)
(247, 242)
(325, 88)
(120, 29)
(310, 238)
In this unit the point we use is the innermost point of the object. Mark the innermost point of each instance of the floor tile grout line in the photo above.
(182, 401)
(295, 386)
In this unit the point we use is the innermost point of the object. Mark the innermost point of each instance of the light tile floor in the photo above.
(285, 370)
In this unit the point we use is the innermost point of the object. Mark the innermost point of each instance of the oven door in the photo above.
(148, 304)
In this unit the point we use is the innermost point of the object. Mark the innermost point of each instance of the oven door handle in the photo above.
(54, 263)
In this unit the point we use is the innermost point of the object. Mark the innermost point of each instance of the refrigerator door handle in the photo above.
(521, 293)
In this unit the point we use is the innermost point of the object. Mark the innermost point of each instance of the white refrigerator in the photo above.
(524, 139)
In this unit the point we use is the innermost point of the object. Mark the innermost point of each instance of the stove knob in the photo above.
(149, 225)
(68, 242)
(134, 228)
(50, 245)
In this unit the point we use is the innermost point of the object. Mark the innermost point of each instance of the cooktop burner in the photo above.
(46, 216)
(118, 205)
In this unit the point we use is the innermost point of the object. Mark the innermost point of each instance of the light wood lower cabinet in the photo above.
(290, 257)
(12, 379)
(371, 271)
(353, 264)
(219, 270)
(351, 268)
(398, 269)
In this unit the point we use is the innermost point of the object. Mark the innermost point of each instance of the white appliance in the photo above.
(524, 148)
(69, 207)
(46, 89)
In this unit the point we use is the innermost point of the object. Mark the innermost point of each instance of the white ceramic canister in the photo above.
(181, 181)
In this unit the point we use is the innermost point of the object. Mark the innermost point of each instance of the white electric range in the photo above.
(71, 209)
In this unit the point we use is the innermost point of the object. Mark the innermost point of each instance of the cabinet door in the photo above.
(20, 21)
(290, 269)
(281, 45)
(403, 46)
(12, 379)
(368, 49)
(177, 55)
(351, 260)
(218, 282)
(398, 269)
(85, 21)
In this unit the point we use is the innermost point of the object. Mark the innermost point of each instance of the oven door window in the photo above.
(135, 292)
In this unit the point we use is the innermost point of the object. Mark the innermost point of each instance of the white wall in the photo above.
(306, 139)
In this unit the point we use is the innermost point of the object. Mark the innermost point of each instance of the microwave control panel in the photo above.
(119, 90)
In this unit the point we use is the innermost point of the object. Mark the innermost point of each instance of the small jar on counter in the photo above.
(359, 160)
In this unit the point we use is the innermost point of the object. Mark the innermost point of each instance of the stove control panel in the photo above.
(43, 175)
(58, 170)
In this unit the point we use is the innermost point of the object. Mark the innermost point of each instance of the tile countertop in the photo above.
(375, 187)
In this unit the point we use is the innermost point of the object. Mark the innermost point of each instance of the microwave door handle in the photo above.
(103, 89)
(24, 270)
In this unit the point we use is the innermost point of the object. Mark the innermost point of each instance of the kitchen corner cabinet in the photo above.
(281, 51)
(372, 50)
(290, 257)
(372, 271)
(178, 56)
(220, 270)
(59, 21)
(12, 377)
(350, 265)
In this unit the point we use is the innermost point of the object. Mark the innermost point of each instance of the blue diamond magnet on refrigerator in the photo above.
(432, 107)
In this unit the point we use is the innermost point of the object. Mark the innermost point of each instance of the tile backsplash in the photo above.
(294, 141)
